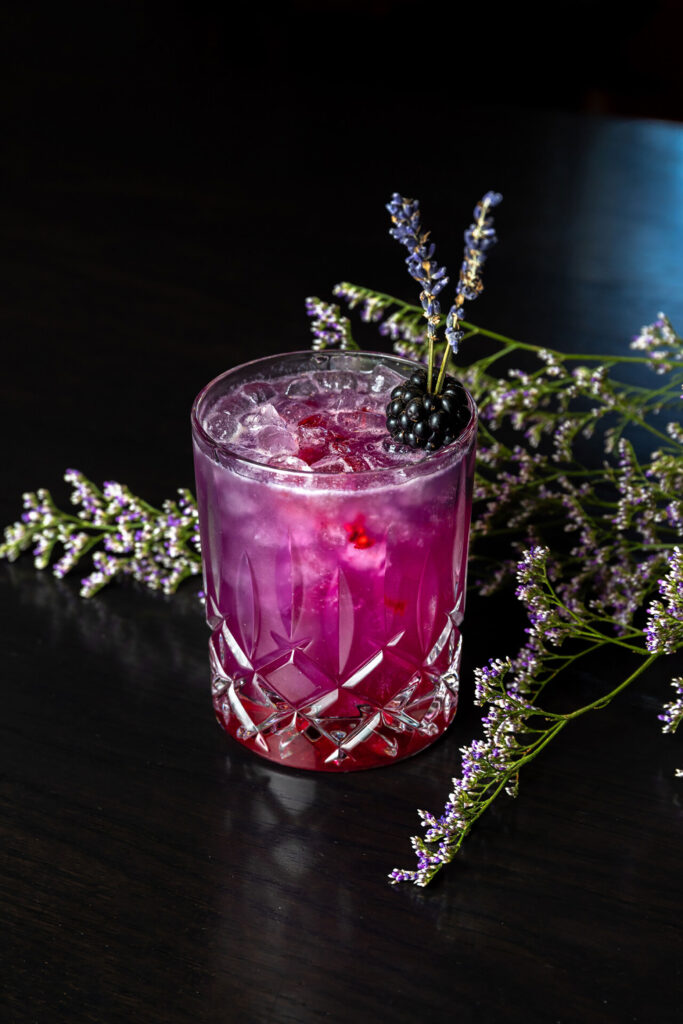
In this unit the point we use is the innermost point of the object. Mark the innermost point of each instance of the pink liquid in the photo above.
(334, 575)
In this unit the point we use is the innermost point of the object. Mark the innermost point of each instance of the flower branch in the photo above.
(612, 531)
(156, 547)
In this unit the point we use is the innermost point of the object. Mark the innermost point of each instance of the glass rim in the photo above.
(458, 446)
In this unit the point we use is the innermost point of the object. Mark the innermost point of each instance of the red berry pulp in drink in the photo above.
(334, 562)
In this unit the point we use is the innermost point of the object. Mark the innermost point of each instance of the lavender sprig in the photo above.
(157, 547)
(405, 216)
(479, 237)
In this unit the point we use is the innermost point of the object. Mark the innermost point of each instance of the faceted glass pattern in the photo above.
(334, 600)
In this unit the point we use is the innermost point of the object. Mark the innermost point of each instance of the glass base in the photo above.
(347, 728)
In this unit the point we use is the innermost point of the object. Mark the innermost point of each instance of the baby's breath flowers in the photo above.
(157, 547)
(672, 712)
(664, 630)
(661, 343)
(329, 328)
(515, 727)
(595, 549)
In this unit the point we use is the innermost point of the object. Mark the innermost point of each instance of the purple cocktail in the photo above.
(334, 561)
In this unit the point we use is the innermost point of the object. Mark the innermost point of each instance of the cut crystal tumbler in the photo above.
(334, 592)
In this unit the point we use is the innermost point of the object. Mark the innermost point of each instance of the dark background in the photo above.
(268, 144)
(174, 184)
(139, 82)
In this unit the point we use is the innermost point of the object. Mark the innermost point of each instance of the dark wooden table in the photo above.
(153, 871)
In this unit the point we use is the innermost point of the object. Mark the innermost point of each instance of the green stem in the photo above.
(540, 744)
(442, 371)
(85, 525)
(652, 430)
(567, 660)
(91, 543)
(608, 360)
(349, 342)
(483, 364)
(430, 365)
(602, 702)
(562, 356)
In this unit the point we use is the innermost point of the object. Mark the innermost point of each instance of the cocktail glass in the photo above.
(334, 599)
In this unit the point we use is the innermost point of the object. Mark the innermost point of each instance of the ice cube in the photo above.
(238, 404)
(262, 416)
(365, 420)
(273, 440)
(289, 462)
(222, 419)
(294, 412)
(243, 451)
(313, 435)
(332, 464)
(302, 387)
(267, 432)
(345, 401)
(314, 427)
(221, 426)
(358, 463)
(257, 391)
(384, 378)
(379, 457)
(339, 380)
(346, 462)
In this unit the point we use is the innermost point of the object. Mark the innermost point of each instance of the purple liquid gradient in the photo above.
(335, 585)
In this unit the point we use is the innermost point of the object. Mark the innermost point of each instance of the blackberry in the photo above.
(422, 420)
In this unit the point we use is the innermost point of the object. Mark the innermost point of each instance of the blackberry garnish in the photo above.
(421, 419)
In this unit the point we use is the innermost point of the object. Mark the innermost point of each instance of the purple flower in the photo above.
(330, 329)
(479, 237)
